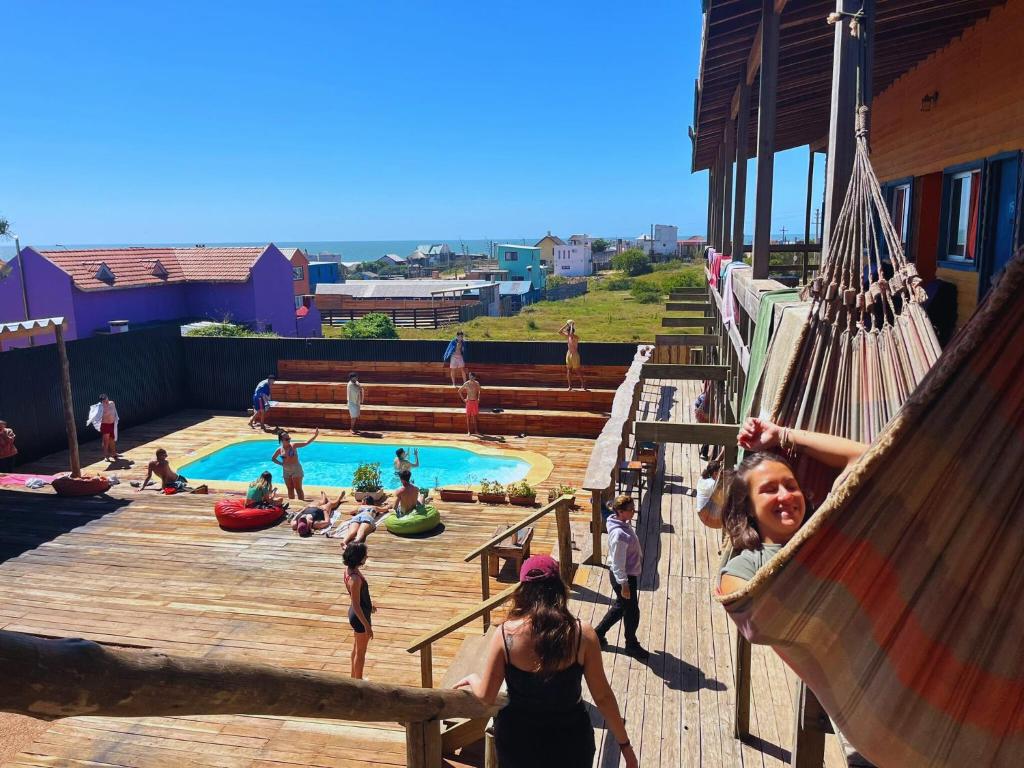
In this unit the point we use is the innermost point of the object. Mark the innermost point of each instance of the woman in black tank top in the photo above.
(543, 653)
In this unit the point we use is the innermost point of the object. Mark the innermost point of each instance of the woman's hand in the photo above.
(629, 756)
(759, 435)
(369, 631)
(468, 681)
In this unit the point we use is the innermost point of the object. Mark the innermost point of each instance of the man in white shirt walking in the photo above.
(354, 397)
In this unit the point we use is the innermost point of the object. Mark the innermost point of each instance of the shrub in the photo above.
(689, 277)
(375, 325)
(562, 490)
(366, 478)
(556, 280)
(491, 486)
(617, 284)
(646, 293)
(531, 324)
(227, 331)
(521, 489)
(633, 262)
(599, 246)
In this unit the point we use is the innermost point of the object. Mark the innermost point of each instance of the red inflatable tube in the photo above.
(233, 515)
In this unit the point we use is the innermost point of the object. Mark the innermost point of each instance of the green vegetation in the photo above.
(562, 490)
(375, 325)
(607, 313)
(491, 486)
(228, 331)
(521, 489)
(633, 262)
(646, 293)
(600, 245)
(366, 478)
(554, 281)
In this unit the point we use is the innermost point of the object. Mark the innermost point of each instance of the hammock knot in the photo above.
(862, 122)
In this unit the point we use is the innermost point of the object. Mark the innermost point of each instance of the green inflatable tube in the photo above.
(420, 520)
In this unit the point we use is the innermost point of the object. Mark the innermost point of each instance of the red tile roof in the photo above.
(136, 267)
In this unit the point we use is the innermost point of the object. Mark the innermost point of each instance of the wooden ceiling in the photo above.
(906, 32)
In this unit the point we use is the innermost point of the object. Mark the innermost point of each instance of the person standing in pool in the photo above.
(260, 403)
(455, 355)
(470, 394)
(361, 606)
(402, 461)
(572, 353)
(288, 453)
(354, 397)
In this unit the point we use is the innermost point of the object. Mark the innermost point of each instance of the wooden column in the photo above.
(711, 205)
(807, 215)
(728, 154)
(742, 132)
(564, 543)
(766, 105)
(596, 525)
(811, 723)
(485, 587)
(66, 398)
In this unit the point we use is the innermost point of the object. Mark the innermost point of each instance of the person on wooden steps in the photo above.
(262, 494)
(572, 354)
(455, 356)
(402, 460)
(287, 455)
(543, 653)
(470, 394)
(261, 403)
(361, 606)
(625, 563)
(8, 450)
(354, 398)
(316, 516)
(765, 506)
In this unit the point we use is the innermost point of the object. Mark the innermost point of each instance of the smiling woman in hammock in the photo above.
(765, 505)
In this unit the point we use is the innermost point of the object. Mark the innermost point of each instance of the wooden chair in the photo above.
(647, 454)
(515, 548)
(631, 476)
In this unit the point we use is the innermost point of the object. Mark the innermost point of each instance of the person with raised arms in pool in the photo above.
(288, 452)
(402, 462)
(407, 498)
(316, 516)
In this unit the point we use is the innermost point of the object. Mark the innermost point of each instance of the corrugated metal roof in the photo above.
(398, 289)
(514, 287)
(23, 328)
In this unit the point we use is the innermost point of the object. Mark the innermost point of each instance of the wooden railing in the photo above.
(52, 679)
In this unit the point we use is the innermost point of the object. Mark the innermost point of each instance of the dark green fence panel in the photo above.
(141, 370)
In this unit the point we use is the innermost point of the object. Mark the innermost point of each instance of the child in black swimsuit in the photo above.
(361, 606)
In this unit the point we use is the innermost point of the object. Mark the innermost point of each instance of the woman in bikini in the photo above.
(288, 453)
(361, 607)
(572, 353)
(316, 516)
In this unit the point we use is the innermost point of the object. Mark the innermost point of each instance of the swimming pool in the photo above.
(331, 463)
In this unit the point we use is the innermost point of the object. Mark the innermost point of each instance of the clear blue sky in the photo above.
(334, 120)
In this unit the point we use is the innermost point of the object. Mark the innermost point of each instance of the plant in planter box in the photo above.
(491, 492)
(562, 490)
(521, 493)
(366, 482)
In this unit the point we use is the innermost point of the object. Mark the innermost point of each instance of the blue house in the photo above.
(522, 263)
(323, 272)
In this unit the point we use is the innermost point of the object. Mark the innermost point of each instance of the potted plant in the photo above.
(491, 492)
(456, 494)
(521, 493)
(366, 485)
(562, 490)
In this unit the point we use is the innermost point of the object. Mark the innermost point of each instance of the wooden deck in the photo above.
(144, 570)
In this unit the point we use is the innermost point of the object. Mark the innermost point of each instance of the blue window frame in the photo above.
(961, 216)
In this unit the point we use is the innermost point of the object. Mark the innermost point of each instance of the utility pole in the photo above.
(783, 234)
(817, 225)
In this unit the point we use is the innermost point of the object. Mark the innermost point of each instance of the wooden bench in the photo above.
(515, 548)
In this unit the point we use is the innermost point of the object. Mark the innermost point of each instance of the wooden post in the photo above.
(416, 746)
(728, 154)
(711, 206)
(842, 120)
(741, 717)
(427, 666)
(485, 587)
(564, 543)
(596, 525)
(811, 725)
(490, 751)
(766, 108)
(66, 398)
(807, 216)
(742, 147)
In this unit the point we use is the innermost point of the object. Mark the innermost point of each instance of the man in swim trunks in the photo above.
(470, 394)
(572, 353)
(408, 496)
(260, 403)
(354, 397)
(456, 356)
(315, 517)
(162, 468)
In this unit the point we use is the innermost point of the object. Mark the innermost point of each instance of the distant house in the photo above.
(436, 253)
(300, 272)
(691, 247)
(584, 240)
(516, 294)
(91, 288)
(547, 245)
(573, 260)
(399, 297)
(522, 263)
(324, 272)
(391, 258)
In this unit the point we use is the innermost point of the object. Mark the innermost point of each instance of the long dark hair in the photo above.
(555, 630)
(738, 517)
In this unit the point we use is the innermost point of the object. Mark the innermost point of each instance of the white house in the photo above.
(584, 240)
(572, 260)
(665, 239)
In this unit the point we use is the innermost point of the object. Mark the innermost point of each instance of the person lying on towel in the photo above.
(765, 506)
(316, 516)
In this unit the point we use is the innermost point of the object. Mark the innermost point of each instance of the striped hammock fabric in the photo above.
(901, 600)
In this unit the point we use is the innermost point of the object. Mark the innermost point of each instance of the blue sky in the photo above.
(238, 121)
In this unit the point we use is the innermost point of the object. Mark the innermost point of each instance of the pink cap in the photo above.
(538, 568)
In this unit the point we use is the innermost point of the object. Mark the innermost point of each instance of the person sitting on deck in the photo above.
(316, 516)
(765, 505)
(543, 653)
(407, 498)
(706, 484)
(169, 479)
(262, 493)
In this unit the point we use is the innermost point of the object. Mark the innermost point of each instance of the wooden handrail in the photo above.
(530, 519)
(461, 620)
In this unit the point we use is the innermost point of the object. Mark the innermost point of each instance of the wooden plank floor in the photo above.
(152, 571)
(679, 704)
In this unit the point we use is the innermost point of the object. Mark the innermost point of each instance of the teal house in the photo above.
(522, 263)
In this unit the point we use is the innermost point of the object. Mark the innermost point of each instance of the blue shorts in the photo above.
(259, 403)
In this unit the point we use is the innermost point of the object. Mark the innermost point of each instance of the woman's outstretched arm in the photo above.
(763, 435)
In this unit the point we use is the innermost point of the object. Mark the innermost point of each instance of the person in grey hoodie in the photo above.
(625, 562)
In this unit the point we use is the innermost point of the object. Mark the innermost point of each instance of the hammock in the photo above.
(868, 341)
(901, 600)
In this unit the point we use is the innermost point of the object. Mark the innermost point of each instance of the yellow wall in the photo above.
(547, 249)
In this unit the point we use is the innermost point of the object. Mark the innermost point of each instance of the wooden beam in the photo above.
(676, 339)
(554, 506)
(687, 339)
(688, 294)
(51, 679)
(728, 156)
(742, 154)
(70, 427)
(766, 110)
(685, 432)
(811, 723)
(807, 215)
(741, 715)
(693, 322)
(684, 372)
(687, 306)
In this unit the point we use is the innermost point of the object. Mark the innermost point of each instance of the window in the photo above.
(901, 213)
(511, 255)
(297, 272)
(961, 224)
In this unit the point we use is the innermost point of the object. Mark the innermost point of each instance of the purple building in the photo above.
(91, 288)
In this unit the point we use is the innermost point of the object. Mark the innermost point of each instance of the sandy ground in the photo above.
(18, 732)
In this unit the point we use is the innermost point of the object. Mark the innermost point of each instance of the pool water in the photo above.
(333, 464)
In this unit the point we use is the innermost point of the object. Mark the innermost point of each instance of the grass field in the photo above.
(600, 315)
